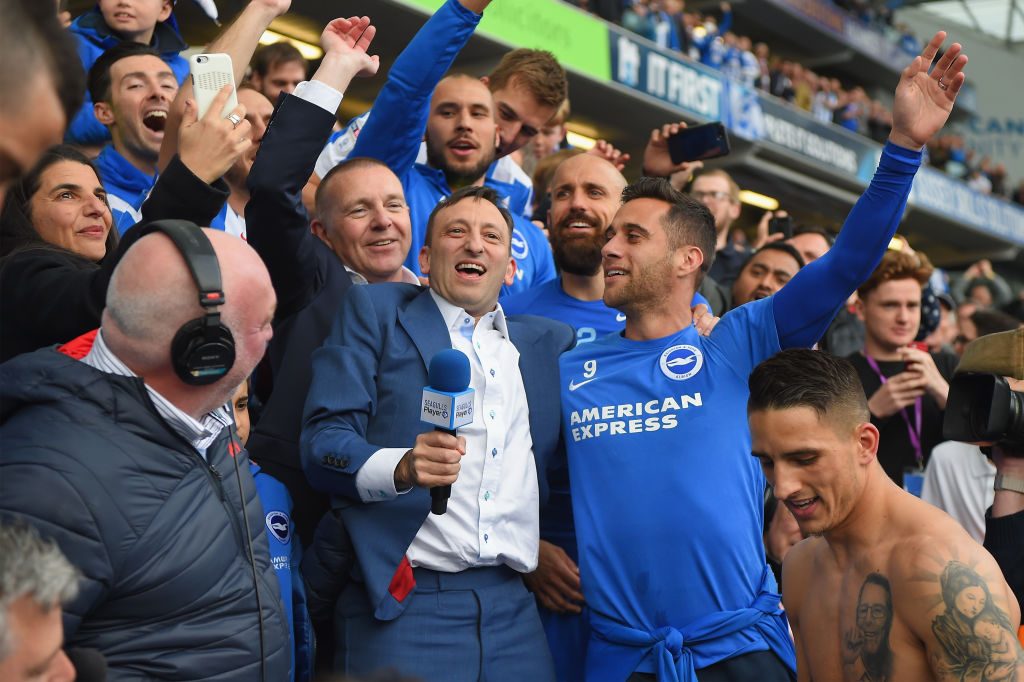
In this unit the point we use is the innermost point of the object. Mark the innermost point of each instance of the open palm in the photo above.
(923, 100)
(350, 38)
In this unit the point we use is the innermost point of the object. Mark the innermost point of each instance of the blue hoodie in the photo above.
(127, 187)
(94, 38)
(285, 557)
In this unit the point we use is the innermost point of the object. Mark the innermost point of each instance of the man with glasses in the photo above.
(719, 192)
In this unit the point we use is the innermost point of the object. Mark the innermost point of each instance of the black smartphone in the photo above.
(699, 143)
(783, 225)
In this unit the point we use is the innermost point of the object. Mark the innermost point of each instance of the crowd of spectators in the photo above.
(214, 331)
(707, 38)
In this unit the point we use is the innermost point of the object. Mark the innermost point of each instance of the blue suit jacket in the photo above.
(365, 395)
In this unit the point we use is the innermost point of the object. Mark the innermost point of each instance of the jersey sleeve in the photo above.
(805, 307)
(393, 131)
(746, 336)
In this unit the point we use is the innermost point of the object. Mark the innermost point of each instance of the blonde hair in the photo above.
(536, 70)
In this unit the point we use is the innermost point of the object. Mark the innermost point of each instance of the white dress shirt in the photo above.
(200, 433)
(408, 276)
(493, 513)
(319, 93)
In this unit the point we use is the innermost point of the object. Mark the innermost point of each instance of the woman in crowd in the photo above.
(55, 237)
(57, 251)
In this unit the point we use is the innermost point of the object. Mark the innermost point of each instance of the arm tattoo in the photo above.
(974, 635)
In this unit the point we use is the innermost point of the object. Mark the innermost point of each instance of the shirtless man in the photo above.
(889, 587)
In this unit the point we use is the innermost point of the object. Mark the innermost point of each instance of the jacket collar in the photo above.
(423, 322)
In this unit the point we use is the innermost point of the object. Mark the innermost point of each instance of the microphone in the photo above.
(447, 404)
(90, 666)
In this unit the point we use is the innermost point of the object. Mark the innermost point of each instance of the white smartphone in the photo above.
(210, 73)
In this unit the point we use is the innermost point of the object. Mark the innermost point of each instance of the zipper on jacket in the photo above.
(218, 482)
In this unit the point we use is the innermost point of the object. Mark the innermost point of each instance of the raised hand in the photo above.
(609, 153)
(897, 393)
(210, 146)
(349, 39)
(763, 229)
(921, 363)
(923, 100)
(657, 161)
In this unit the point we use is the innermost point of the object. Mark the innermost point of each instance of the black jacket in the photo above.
(50, 295)
(158, 532)
(310, 282)
(1004, 539)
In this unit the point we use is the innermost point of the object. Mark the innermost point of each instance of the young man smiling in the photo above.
(906, 386)
(888, 587)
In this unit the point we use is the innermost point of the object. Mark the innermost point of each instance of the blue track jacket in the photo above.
(395, 128)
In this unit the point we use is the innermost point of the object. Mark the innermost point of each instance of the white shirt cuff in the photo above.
(375, 480)
(320, 94)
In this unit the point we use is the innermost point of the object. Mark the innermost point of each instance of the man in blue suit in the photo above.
(439, 596)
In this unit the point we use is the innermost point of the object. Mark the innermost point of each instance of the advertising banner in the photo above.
(691, 87)
(579, 40)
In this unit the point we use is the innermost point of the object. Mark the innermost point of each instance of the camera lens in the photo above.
(201, 60)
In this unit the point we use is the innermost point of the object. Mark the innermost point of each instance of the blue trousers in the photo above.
(480, 625)
(567, 635)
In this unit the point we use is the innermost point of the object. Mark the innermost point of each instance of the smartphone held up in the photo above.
(210, 73)
(699, 143)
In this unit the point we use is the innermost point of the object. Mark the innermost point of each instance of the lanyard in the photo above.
(913, 430)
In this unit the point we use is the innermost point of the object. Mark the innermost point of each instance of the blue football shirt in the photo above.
(590, 319)
(666, 497)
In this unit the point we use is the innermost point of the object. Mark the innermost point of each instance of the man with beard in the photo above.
(461, 134)
(654, 425)
(585, 193)
(527, 85)
(765, 272)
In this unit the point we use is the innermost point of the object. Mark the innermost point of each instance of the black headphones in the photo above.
(203, 350)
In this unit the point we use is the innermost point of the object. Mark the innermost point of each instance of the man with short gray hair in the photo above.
(35, 581)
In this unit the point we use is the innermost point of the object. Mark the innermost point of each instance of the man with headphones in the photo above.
(119, 446)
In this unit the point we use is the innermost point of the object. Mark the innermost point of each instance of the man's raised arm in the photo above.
(805, 307)
(277, 224)
(394, 130)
